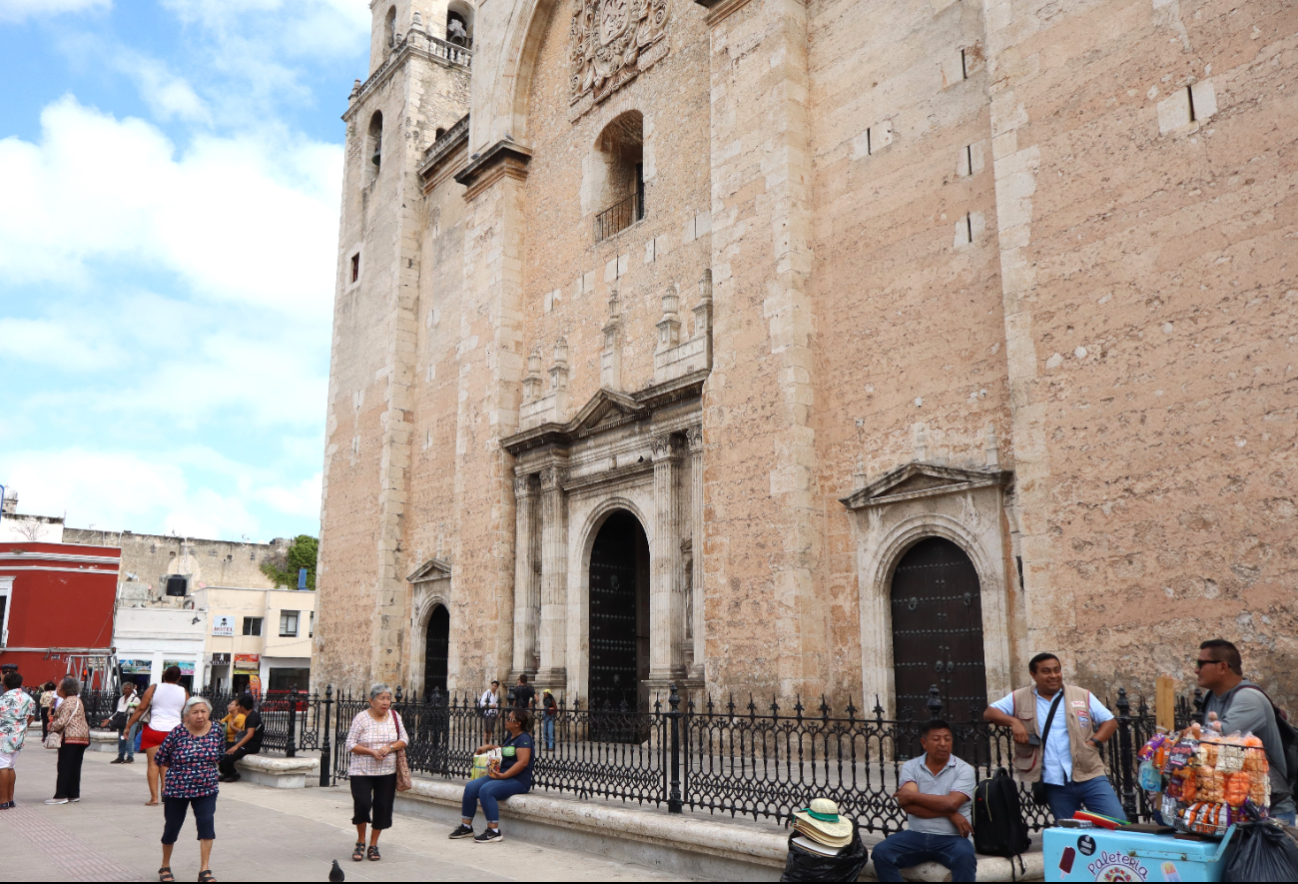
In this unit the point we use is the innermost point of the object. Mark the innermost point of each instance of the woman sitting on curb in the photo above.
(518, 757)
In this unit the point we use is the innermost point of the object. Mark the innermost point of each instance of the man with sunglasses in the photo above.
(1243, 706)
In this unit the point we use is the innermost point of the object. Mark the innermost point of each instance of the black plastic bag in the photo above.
(804, 865)
(1264, 853)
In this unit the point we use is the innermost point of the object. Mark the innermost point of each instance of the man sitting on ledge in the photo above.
(936, 790)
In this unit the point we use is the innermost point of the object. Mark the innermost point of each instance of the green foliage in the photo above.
(302, 553)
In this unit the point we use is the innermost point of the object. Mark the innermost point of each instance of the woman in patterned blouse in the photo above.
(372, 742)
(188, 758)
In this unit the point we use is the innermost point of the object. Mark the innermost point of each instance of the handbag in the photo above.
(1039, 787)
(53, 740)
(404, 783)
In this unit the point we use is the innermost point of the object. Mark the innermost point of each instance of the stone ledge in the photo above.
(690, 843)
(280, 773)
(103, 741)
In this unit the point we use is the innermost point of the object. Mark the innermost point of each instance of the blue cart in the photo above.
(1104, 855)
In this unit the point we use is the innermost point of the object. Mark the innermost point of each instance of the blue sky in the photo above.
(168, 225)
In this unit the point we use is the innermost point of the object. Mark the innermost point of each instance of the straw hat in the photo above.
(822, 822)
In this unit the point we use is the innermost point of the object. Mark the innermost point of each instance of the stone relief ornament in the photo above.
(611, 41)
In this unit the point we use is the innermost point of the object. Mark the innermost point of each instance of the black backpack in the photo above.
(1288, 740)
(999, 829)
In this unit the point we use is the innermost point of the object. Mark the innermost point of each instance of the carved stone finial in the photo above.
(418, 19)
(532, 383)
(993, 447)
(669, 327)
(561, 352)
(356, 89)
(614, 303)
(858, 477)
(921, 442)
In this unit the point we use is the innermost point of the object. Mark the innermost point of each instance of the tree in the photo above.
(302, 553)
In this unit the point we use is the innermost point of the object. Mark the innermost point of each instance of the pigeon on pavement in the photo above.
(336, 874)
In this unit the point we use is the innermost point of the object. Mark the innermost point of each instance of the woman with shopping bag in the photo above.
(517, 758)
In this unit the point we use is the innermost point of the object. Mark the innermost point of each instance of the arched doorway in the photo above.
(437, 650)
(937, 631)
(619, 615)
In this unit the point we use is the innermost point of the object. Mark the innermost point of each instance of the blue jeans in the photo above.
(905, 849)
(548, 724)
(1286, 818)
(488, 792)
(126, 743)
(1096, 795)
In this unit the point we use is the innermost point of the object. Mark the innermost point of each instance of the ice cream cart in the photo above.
(1115, 855)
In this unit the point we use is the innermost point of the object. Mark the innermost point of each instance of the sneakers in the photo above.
(462, 831)
(56, 801)
(489, 836)
(74, 800)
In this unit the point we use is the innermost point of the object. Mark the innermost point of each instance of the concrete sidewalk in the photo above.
(262, 834)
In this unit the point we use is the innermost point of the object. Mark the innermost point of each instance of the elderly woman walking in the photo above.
(518, 757)
(188, 759)
(16, 713)
(375, 737)
(163, 704)
(69, 722)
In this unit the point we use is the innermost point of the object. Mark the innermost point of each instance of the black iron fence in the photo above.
(619, 216)
(741, 759)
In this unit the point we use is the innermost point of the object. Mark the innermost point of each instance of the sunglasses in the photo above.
(1199, 664)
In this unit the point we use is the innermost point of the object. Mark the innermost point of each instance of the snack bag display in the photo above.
(1210, 779)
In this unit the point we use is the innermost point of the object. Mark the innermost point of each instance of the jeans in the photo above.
(126, 744)
(905, 849)
(69, 767)
(173, 815)
(376, 793)
(488, 792)
(548, 725)
(1286, 818)
(1096, 795)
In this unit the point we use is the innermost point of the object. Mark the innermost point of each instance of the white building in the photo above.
(258, 639)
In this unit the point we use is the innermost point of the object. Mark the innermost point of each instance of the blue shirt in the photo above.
(522, 741)
(1057, 761)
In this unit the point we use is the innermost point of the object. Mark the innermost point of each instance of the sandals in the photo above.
(359, 853)
(164, 874)
(374, 853)
(207, 877)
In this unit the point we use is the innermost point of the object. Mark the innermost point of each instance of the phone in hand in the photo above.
(1034, 740)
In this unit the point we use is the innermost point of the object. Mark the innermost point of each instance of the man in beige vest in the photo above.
(1067, 761)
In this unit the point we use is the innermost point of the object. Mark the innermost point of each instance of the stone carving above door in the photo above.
(610, 42)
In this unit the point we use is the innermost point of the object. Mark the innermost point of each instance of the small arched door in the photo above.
(619, 615)
(437, 650)
(937, 631)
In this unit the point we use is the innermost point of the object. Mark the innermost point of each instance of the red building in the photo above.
(56, 600)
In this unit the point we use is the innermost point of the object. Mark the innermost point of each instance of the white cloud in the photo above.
(250, 218)
(18, 10)
(66, 346)
(167, 95)
(193, 492)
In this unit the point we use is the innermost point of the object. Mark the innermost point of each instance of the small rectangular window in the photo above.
(252, 626)
(288, 624)
(356, 266)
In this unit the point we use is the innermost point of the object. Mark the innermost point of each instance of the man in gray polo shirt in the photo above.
(936, 791)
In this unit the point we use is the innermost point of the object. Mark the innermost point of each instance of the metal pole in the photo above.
(290, 747)
(326, 749)
(1126, 755)
(674, 802)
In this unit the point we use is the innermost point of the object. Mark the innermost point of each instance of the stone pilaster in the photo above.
(527, 589)
(554, 577)
(694, 436)
(666, 599)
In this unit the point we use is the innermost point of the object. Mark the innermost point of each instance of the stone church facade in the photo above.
(814, 346)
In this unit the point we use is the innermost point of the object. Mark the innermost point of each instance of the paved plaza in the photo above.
(262, 835)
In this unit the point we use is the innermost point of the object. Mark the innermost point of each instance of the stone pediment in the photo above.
(433, 569)
(606, 408)
(918, 480)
